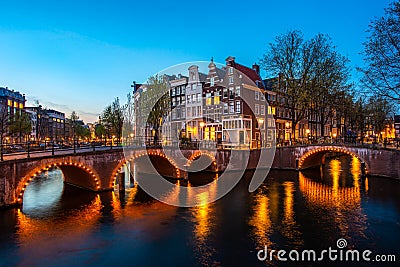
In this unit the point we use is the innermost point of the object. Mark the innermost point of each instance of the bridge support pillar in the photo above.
(121, 181)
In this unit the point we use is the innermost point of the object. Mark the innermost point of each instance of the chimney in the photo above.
(256, 67)
(230, 61)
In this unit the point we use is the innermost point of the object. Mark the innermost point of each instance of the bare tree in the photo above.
(312, 74)
(382, 55)
(289, 58)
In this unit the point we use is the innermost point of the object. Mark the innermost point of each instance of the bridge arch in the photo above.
(198, 154)
(314, 157)
(91, 179)
(125, 161)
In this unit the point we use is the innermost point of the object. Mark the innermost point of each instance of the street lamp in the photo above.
(202, 124)
(308, 134)
(334, 136)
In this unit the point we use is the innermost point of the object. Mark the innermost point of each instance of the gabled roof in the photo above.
(252, 74)
(202, 77)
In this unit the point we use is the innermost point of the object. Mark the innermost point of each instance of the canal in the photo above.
(60, 225)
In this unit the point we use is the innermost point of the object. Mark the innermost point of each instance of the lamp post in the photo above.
(334, 136)
(308, 135)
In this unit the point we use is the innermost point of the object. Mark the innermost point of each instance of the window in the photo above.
(237, 106)
(194, 98)
(199, 113)
(194, 114)
(212, 81)
(257, 95)
(230, 79)
(183, 111)
(9, 102)
(216, 100)
(230, 70)
(225, 92)
(194, 86)
(231, 107)
(173, 91)
(21, 106)
(262, 110)
(262, 97)
(238, 90)
(208, 99)
(189, 112)
(257, 109)
(189, 99)
(231, 93)
(225, 108)
(183, 89)
(182, 100)
(198, 97)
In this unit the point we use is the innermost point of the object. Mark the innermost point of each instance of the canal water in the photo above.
(60, 225)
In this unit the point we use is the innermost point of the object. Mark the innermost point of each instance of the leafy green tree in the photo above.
(21, 125)
(113, 119)
(153, 105)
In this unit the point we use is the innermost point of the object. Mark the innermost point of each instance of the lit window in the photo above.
(9, 102)
(208, 99)
(21, 106)
(15, 104)
(216, 100)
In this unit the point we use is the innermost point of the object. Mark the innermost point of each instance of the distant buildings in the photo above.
(11, 101)
(47, 124)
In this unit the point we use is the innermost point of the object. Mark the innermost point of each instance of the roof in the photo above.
(202, 77)
(252, 74)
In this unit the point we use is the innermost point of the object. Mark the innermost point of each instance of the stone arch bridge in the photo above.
(98, 170)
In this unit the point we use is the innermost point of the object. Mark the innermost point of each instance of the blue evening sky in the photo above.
(79, 55)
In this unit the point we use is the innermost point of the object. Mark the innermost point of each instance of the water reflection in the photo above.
(260, 220)
(290, 228)
(290, 210)
(335, 198)
(204, 220)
